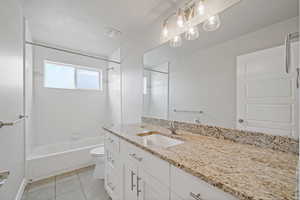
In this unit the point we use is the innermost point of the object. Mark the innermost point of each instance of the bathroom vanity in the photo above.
(148, 162)
(234, 106)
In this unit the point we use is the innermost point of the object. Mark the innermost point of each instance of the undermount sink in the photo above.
(153, 138)
(147, 133)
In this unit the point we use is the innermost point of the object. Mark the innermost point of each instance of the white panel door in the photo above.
(11, 97)
(267, 97)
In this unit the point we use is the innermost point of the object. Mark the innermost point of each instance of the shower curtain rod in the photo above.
(153, 70)
(71, 52)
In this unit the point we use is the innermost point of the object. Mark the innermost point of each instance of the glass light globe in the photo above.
(212, 23)
(192, 32)
(176, 41)
(201, 8)
(165, 30)
(180, 19)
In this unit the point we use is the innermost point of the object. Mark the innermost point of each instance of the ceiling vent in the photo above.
(112, 32)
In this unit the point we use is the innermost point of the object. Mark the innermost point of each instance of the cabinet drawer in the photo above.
(112, 143)
(184, 186)
(146, 161)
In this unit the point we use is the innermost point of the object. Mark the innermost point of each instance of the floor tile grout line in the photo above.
(81, 187)
(55, 187)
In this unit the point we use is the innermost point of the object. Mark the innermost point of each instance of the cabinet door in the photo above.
(149, 188)
(113, 174)
(130, 181)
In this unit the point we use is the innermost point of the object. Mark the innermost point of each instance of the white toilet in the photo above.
(98, 155)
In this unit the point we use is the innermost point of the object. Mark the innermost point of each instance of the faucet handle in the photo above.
(171, 124)
(172, 127)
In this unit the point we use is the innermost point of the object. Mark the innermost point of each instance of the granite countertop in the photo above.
(245, 171)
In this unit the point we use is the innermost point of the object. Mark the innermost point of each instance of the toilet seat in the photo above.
(97, 152)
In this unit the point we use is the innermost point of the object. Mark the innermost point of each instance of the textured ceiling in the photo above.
(80, 24)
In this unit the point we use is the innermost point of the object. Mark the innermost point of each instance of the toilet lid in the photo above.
(98, 151)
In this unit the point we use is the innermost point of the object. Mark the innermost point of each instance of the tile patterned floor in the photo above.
(75, 185)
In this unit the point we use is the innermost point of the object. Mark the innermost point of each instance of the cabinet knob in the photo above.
(111, 186)
(196, 196)
(136, 157)
(241, 121)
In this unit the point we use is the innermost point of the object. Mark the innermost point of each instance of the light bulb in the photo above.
(201, 8)
(165, 30)
(212, 23)
(176, 41)
(192, 32)
(180, 19)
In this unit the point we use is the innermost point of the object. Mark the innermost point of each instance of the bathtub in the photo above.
(54, 159)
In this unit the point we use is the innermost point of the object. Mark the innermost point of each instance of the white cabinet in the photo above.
(130, 181)
(151, 164)
(112, 143)
(140, 183)
(113, 167)
(134, 174)
(187, 187)
(150, 188)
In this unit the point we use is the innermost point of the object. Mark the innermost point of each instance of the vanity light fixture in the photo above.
(188, 17)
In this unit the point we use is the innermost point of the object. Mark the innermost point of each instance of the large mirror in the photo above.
(233, 77)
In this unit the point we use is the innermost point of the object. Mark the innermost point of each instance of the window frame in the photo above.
(76, 68)
(145, 85)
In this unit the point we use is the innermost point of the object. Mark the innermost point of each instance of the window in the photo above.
(145, 85)
(59, 76)
(65, 76)
(87, 79)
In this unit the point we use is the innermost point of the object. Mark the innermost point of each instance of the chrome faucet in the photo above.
(173, 128)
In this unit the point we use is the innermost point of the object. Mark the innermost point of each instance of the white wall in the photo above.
(12, 149)
(28, 91)
(206, 80)
(132, 81)
(62, 115)
(114, 88)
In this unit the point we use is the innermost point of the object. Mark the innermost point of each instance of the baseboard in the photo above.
(21, 189)
(59, 172)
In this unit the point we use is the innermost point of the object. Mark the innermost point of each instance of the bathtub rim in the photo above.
(33, 157)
